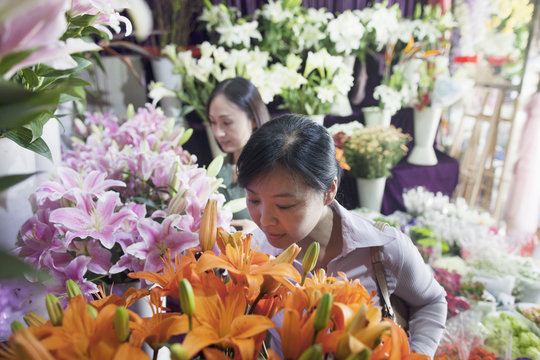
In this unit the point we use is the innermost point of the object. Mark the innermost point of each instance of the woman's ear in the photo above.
(330, 194)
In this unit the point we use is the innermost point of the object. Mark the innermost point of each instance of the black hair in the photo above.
(296, 142)
(245, 95)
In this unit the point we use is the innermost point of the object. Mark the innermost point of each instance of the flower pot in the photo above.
(163, 72)
(426, 123)
(214, 146)
(319, 119)
(370, 192)
(374, 116)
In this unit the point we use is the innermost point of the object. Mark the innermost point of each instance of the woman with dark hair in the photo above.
(235, 109)
(290, 173)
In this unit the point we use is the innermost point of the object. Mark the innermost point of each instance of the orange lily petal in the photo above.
(198, 339)
(128, 351)
(250, 325)
(214, 354)
(245, 347)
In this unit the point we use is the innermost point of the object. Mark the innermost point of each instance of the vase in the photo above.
(370, 192)
(163, 72)
(375, 116)
(319, 119)
(426, 123)
(214, 146)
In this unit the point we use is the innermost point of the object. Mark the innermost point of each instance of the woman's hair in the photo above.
(245, 95)
(296, 142)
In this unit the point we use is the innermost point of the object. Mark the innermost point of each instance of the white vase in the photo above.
(319, 119)
(163, 72)
(214, 146)
(375, 116)
(370, 192)
(426, 123)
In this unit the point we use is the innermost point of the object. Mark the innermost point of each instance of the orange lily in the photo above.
(340, 156)
(79, 337)
(24, 345)
(174, 270)
(248, 267)
(395, 346)
(223, 323)
(128, 298)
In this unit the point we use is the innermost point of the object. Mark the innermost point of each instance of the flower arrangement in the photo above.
(371, 152)
(221, 315)
(125, 193)
(200, 76)
(310, 87)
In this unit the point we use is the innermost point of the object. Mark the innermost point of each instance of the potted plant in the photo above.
(371, 152)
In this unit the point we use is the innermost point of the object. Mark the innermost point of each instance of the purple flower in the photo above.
(157, 238)
(96, 220)
(38, 237)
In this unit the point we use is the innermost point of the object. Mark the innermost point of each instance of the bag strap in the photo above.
(377, 261)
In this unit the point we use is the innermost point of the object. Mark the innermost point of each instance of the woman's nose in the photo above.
(219, 131)
(267, 216)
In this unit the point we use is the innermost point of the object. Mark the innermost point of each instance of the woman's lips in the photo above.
(273, 237)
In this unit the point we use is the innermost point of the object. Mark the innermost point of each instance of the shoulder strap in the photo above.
(378, 266)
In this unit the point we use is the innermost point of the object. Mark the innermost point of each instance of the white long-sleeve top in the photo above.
(406, 274)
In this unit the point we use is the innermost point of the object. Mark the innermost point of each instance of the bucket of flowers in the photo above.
(221, 315)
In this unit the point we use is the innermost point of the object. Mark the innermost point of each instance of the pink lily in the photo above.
(96, 220)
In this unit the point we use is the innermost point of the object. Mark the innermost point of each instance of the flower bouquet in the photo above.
(312, 85)
(221, 315)
(200, 75)
(124, 193)
(373, 151)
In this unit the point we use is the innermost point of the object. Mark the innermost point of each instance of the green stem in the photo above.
(303, 278)
(257, 299)
(190, 317)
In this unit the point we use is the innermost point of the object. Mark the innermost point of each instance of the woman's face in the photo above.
(284, 207)
(231, 125)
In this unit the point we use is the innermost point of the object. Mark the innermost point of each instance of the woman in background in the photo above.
(290, 173)
(235, 109)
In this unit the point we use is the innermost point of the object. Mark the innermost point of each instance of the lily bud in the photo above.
(314, 352)
(55, 310)
(121, 323)
(178, 203)
(208, 229)
(130, 111)
(311, 257)
(322, 313)
(185, 136)
(16, 326)
(289, 254)
(172, 182)
(178, 352)
(363, 355)
(72, 288)
(33, 319)
(92, 310)
(187, 299)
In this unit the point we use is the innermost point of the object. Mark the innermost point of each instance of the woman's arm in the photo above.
(415, 284)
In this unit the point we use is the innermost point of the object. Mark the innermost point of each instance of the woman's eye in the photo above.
(284, 207)
(252, 201)
(227, 123)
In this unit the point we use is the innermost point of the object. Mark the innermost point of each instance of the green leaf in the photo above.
(23, 137)
(10, 180)
(36, 125)
(13, 267)
(30, 77)
(18, 106)
(83, 20)
(12, 59)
